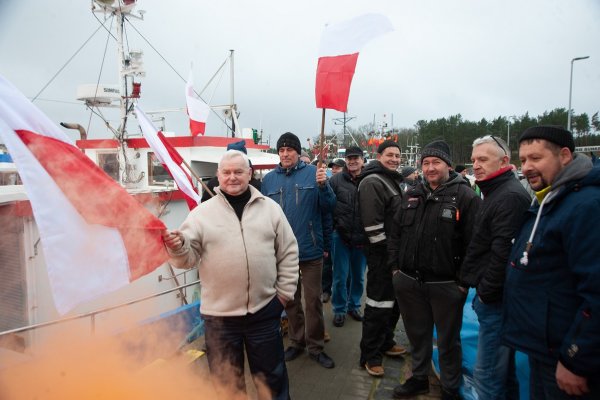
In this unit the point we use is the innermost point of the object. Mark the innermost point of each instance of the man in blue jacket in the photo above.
(307, 200)
(552, 289)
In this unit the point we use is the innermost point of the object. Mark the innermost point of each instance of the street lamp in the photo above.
(571, 90)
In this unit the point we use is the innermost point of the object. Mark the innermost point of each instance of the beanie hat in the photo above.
(354, 151)
(239, 146)
(439, 149)
(459, 168)
(387, 143)
(406, 171)
(288, 139)
(552, 133)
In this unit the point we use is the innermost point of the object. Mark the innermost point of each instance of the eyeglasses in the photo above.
(499, 145)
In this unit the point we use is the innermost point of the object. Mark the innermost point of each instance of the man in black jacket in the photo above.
(505, 203)
(431, 232)
(348, 241)
(379, 195)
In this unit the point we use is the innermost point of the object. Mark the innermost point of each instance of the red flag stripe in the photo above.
(334, 77)
(100, 200)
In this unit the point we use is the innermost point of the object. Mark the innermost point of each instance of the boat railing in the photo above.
(92, 314)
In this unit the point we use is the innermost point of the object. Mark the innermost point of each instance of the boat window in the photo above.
(157, 174)
(109, 163)
(13, 290)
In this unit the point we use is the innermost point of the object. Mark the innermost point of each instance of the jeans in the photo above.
(348, 262)
(494, 372)
(259, 334)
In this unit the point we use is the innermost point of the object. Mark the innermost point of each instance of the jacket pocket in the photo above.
(277, 196)
(303, 194)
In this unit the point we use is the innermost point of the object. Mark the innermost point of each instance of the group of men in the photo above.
(425, 243)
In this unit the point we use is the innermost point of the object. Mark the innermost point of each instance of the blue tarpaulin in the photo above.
(468, 335)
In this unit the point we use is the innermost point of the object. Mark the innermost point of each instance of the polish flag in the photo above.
(197, 109)
(96, 237)
(338, 54)
(168, 157)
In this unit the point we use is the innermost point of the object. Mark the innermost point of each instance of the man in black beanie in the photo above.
(379, 196)
(430, 234)
(307, 200)
(552, 288)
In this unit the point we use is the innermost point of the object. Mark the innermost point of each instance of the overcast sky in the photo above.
(479, 58)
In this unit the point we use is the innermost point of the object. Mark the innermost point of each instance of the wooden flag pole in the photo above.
(322, 140)
(197, 178)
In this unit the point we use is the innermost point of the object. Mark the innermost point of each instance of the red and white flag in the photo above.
(197, 109)
(338, 54)
(96, 237)
(168, 157)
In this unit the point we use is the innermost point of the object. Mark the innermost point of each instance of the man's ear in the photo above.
(565, 156)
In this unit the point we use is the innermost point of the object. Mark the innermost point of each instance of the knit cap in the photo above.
(439, 149)
(288, 139)
(552, 133)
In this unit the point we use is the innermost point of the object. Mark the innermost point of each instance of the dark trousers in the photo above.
(543, 386)
(306, 326)
(381, 311)
(424, 305)
(259, 334)
(327, 275)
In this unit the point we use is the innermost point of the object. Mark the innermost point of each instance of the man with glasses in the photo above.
(505, 202)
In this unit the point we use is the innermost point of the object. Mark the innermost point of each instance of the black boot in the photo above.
(412, 387)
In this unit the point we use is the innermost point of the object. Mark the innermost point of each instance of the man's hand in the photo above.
(282, 300)
(567, 381)
(321, 176)
(173, 239)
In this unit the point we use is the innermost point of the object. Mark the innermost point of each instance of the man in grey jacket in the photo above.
(248, 259)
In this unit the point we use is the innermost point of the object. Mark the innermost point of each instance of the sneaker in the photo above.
(355, 315)
(412, 387)
(323, 359)
(374, 370)
(325, 297)
(326, 337)
(395, 351)
(450, 394)
(338, 320)
(292, 352)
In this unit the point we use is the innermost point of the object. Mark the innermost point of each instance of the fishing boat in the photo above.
(28, 316)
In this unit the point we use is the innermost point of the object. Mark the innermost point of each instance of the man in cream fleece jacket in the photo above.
(248, 265)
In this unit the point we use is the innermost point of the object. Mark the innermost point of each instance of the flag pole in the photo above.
(197, 178)
(322, 139)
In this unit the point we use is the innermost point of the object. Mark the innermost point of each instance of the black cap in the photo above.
(337, 161)
(459, 168)
(354, 151)
(385, 144)
(552, 133)
(288, 139)
(439, 149)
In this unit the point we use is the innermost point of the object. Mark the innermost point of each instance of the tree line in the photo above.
(460, 133)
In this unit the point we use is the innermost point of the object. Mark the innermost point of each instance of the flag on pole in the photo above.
(338, 54)
(96, 237)
(198, 110)
(168, 157)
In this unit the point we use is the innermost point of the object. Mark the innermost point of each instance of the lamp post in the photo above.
(571, 90)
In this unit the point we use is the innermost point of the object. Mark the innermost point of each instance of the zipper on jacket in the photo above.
(312, 233)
